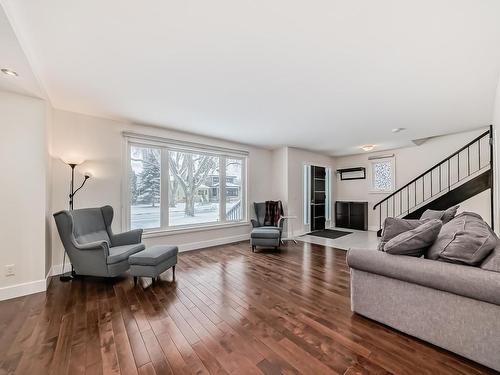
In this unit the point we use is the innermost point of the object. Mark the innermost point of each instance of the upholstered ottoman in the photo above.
(153, 261)
(267, 237)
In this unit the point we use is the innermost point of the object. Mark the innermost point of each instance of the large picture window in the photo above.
(170, 187)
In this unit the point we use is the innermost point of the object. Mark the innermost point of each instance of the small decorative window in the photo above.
(382, 175)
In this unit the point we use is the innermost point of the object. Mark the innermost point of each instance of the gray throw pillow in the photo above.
(466, 239)
(394, 226)
(492, 262)
(445, 216)
(415, 242)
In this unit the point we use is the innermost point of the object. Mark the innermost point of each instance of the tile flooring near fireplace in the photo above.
(356, 239)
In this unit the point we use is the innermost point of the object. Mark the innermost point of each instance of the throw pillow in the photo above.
(445, 216)
(492, 262)
(466, 239)
(416, 241)
(394, 226)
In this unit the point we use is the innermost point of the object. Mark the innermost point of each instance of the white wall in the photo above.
(23, 167)
(99, 141)
(279, 186)
(48, 190)
(409, 162)
(297, 158)
(496, 162)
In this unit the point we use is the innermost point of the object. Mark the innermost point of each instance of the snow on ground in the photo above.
(147, 217)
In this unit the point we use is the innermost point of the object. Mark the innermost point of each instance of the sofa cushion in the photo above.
(394, 226)
(466, 239)
(459, 279)
(415, 242)
(153, 255)
(492, 262)
(445, 216)
(265, 232)
(119, 253)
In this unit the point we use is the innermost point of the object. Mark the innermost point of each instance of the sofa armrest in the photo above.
(127, 238)
(254, 222)
(462, 280)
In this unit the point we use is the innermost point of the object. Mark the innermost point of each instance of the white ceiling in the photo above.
(325, 75)
(12, 57)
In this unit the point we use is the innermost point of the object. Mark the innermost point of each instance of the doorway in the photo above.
(317, 197)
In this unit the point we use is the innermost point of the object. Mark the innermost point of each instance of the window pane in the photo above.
(234, 169)
(193, 188)
(382, 175)
(144, 187)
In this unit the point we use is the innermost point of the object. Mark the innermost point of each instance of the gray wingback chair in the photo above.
(92, 246)
(264, 235)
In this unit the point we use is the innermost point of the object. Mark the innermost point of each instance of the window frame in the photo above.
(373, 161)
(166, 145)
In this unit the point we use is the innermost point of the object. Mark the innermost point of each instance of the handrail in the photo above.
(434, 167)
(234, 212)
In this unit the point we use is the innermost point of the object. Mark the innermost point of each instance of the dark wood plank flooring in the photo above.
(230, 311)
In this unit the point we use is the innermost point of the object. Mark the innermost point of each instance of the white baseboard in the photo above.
(214, 242)
(57, 269)
(23, 289)
(298, 233)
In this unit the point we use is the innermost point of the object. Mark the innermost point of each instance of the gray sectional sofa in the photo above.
(454, 306)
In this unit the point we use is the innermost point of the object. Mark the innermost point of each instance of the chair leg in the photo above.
(135, 280)
(173, 272)
(153, 279)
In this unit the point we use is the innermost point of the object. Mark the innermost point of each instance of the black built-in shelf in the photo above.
(318, 197)
(351, 215)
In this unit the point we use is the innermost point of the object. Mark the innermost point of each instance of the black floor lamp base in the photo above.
(66, 278)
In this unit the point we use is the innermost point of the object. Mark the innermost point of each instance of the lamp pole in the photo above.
(72, 193)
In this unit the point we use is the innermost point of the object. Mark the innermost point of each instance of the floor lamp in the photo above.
(72, 163)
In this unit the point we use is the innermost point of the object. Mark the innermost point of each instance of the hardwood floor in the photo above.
(230, 311)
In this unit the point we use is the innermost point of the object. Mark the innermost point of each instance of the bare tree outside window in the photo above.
(192, 200)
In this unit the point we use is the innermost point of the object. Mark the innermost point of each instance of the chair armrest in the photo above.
(127, 238)
(96, 245)
(254, 222)
(281, 222)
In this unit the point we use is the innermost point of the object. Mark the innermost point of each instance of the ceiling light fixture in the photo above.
(397, 130)
(367, 147)
(9, 72)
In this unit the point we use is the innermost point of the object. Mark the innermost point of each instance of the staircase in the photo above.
(462, 175)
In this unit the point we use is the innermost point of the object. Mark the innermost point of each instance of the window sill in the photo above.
(191, 229)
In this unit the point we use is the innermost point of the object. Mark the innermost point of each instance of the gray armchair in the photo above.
(260, 215)
(264, 235)
(91, 245)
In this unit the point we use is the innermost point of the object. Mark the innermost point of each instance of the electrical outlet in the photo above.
(9, 270)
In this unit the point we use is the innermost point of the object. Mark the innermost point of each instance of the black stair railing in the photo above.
(470, 160)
